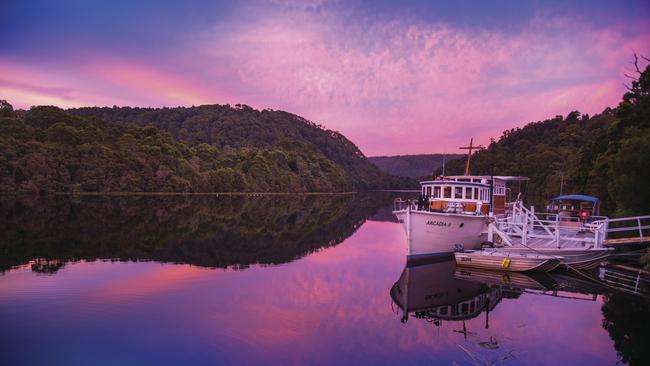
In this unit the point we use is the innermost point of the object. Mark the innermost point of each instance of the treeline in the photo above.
(240, 126)
(606, 155)
(47, 149)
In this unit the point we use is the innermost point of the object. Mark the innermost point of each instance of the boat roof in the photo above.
(576, 197)
(499, 177)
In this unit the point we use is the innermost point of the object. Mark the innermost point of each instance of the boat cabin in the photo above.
(570, 205)
(469, 194)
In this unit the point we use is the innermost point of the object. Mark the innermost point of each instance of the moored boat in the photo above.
(502, 261)
(575, 258)
(452, 211)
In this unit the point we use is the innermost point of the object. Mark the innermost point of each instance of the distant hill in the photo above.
(413, 166)
(227, 127)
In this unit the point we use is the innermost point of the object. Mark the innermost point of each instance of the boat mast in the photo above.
(469, 152)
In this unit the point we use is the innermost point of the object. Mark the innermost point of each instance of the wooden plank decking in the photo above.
(626, 241)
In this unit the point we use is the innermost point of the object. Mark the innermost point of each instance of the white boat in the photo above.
(452, 212)
(495, 259)
(575, 258)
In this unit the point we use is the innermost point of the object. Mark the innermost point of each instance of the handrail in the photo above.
(638, 227)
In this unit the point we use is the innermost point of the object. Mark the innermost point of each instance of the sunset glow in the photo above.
(379, 73)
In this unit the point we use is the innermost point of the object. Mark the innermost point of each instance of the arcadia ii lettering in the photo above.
(438, 223)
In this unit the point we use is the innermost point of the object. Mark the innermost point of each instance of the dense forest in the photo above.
(199, 149)
(606, 155)
(413, 166)
(241, 126)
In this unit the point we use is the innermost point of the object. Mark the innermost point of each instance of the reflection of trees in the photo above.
(627, 319)
(231, 231)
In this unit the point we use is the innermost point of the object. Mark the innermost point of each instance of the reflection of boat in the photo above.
(431, 291)
(532, 280)
(498, 260)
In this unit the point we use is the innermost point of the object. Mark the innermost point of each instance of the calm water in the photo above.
(263, 280)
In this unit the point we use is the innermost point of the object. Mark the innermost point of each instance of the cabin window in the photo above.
(475, 193)
(458, 192)
(468, 193)
(436, 192)
(500, 190)
(423, 190)
(447, 192)
(428, 191)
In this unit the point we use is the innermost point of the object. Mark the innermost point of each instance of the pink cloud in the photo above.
(383, 83)
(392, 85)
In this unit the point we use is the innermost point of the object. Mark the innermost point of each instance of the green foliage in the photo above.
(241, 126)
(629, 174)
(48, 150)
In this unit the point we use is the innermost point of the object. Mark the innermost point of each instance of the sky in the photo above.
(395, 77)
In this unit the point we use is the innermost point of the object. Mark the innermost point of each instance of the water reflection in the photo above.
(155, 295)
(438, 292)
(218, 232)
(431, 292)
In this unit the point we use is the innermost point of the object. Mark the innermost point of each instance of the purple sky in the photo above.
(395, 77)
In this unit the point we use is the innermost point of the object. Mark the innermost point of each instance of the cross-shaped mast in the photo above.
(469, 152)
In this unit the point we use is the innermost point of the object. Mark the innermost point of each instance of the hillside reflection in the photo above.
(208, 231)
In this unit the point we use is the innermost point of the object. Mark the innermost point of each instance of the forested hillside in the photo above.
(241, 126)
(606, 155)
(47, 149)
(413, 166)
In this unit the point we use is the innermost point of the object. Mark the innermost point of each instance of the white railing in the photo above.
(636, 283)
(400, 204)
(524, 224)
(626, 228)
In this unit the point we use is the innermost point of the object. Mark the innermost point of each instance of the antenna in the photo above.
(444, 158)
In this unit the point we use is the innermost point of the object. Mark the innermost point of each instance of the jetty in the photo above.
(524, 227)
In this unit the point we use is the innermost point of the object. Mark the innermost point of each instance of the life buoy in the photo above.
(584, 214)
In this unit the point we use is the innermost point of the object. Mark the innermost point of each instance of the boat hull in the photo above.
(435, 234)
(574, 258)
(494, 260)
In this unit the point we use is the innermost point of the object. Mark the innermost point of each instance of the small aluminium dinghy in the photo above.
(504, 261)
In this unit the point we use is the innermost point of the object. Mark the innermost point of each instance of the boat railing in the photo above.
(400, 204)
(625, 230)
(468, 208)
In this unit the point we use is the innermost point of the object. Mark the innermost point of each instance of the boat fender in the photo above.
(505, 263)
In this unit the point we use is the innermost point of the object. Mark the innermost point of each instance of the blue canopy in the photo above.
(576, 197)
